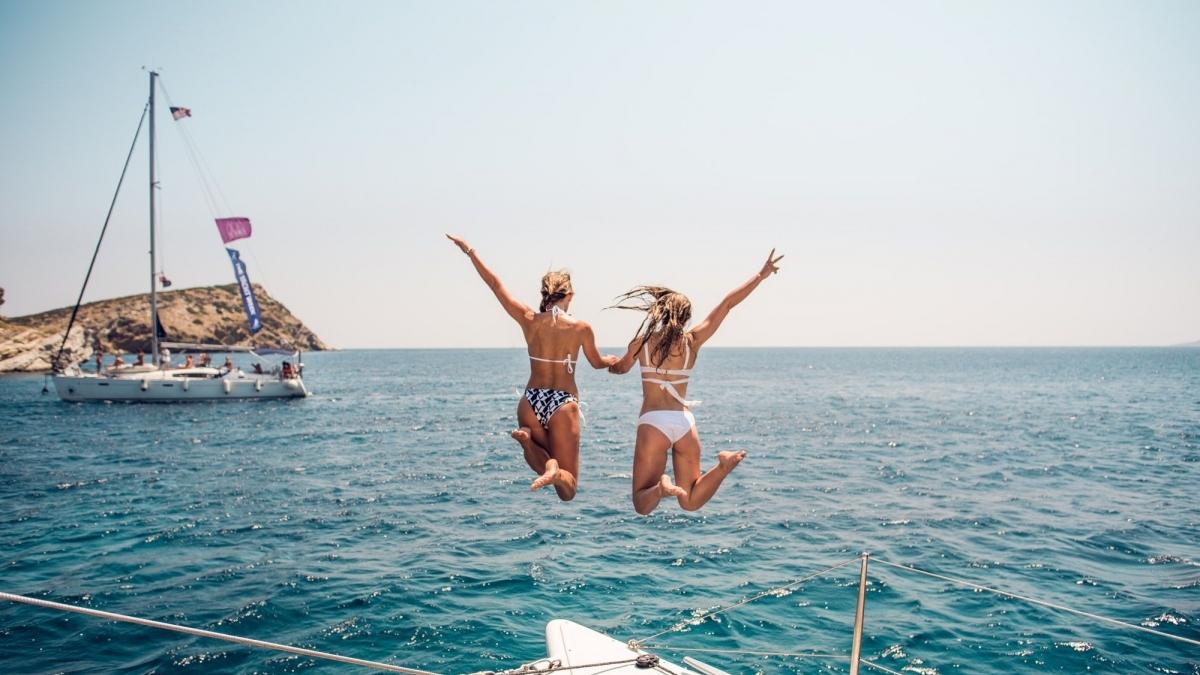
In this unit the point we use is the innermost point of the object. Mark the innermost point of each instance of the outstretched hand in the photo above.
(462, 243)
(770, 267)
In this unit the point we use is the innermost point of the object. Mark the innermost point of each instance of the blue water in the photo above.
(388, 516)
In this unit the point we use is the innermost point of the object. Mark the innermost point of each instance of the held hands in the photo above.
(610, 360)
(617, 367)
(466, 248)
(770, 267)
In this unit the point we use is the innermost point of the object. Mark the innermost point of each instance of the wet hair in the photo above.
(667, 314)
(556, 285)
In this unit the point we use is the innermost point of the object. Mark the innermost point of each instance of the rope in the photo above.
(749, 652)
(879, 667)
(684, 624)
(215, 199)
(211, 634)
(213, 194)
(555, 665)
(1043, 603)
(75, 310)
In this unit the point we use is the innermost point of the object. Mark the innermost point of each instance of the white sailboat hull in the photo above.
(578, 648)
(173, 386)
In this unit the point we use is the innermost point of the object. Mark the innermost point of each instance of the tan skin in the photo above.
(553, 452)
(691, 488)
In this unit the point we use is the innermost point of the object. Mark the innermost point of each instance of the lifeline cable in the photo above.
(249, 642)
(683, 624)
(1043, 603)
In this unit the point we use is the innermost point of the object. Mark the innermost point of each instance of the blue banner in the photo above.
(248, 301)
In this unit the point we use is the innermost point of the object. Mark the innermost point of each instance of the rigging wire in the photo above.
(554, 666)
(691, 622)
(195, 149)
(207, 181)
(216, 201)
(1043, 603)
(249, 642)
(747, 652)
(876, 666)
(57, 365)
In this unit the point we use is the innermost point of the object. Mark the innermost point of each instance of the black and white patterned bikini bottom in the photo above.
(546, 402)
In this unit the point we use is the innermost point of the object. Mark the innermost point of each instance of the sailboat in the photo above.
(158, 380)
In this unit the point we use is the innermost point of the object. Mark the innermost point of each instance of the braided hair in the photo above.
(667, 314)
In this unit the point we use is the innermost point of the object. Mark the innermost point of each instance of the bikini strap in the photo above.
(568, 362)
(669, 387)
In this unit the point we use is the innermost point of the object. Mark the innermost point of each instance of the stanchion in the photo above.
(856, 646)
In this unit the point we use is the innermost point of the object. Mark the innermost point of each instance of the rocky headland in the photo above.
(210, 314)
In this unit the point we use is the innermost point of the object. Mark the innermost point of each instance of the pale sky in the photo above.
(937, 173)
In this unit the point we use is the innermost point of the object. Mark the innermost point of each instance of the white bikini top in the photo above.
(568, 361)
(669, 385)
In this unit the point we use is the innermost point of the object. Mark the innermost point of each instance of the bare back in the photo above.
(557, 339)
(681, 357)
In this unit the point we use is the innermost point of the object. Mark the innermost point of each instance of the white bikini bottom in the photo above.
(674, 424)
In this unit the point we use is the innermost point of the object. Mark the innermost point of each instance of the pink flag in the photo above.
(180, 113)
(233, 228)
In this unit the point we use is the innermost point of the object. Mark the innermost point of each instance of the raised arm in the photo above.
(705, 329)
(518, 310)
(590, 351)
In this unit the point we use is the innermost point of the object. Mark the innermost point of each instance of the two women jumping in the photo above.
(666, 350)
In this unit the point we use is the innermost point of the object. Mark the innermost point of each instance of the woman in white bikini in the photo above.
(666, 351)
(548, 414)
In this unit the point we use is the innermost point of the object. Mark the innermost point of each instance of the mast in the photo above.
(153, 281)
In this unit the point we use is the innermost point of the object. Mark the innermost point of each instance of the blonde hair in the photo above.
(556, 285)
(667, 314)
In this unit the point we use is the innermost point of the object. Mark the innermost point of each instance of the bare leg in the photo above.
(532, 437)
(649, 465)
(562, 467)
(700, 488)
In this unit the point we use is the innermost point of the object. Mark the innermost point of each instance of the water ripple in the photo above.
(388, 517)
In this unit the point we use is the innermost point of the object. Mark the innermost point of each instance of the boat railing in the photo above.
(546, 666)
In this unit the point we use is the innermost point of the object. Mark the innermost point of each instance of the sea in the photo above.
(389, 517)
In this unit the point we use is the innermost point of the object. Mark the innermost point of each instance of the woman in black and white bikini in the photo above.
(548, 414)
(666, 350)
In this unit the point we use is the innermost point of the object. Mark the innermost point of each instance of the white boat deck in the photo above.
(580, 650)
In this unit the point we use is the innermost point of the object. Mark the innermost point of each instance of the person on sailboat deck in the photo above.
(666, 350)
(548, 414)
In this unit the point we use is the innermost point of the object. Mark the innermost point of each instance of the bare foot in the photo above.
(729, 459)
(669, 488)
(521, 435)
(546, 478)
